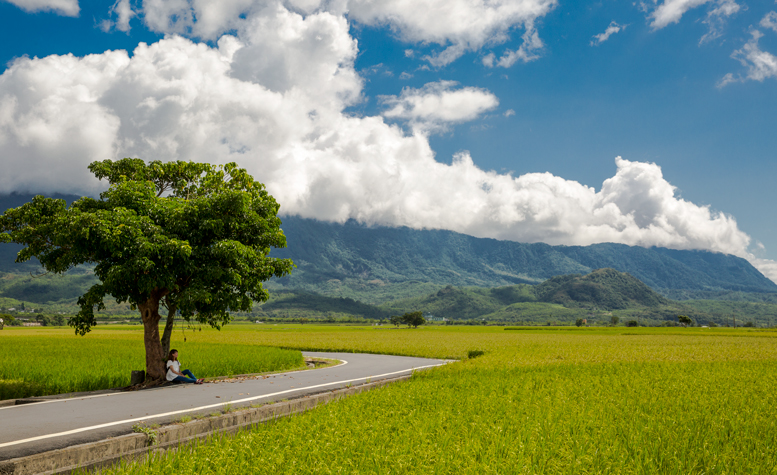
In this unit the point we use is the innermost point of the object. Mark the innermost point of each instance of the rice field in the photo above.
(538, 401)
(37, 362)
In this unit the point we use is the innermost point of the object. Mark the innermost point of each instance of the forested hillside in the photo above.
(362, 262)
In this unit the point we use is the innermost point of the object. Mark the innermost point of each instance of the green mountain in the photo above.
(375, 264)
(380, 264)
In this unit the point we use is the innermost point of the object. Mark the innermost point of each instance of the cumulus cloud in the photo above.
(611, 30)
(759, 64)
(62, 7)
(273, 97)
(434, 106)
(458, 26)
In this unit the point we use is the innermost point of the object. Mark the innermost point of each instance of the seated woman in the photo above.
(174, 373)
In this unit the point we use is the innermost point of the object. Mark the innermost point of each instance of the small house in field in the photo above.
(31, 324)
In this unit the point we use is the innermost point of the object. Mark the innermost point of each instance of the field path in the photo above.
(33, 428)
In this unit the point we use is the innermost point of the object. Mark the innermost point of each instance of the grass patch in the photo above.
(53, 361)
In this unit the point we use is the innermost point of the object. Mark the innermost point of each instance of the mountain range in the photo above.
(375, 264)
(352, 259)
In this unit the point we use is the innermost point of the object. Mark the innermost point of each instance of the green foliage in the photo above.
(413, 319)
(579, 322)
(151, 434)
(202, 247)
(684, 319)
(614, 320)
(395, 320)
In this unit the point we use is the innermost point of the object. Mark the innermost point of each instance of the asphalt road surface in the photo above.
(33, 428)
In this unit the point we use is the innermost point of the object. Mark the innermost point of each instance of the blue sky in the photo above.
(351, 109)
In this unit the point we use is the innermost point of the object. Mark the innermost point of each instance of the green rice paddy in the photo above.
(613, 400)
(53, 361)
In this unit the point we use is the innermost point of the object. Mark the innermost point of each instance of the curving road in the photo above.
(33, 428)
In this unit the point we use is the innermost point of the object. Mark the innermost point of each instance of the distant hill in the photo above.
(604, 288)
(463, 303)
(596, 296)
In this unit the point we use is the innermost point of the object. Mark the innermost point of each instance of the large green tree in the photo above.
(193, 238)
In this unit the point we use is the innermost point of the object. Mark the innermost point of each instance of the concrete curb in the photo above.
(96, 455)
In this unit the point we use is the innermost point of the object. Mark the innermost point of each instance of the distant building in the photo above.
(432, 318)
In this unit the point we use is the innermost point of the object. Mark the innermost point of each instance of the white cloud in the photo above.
(770, 21)
(123, 12)
(760, 64)
(717, 18)
(528, 51)
(509, 113)
(457, 25)
(438, 104)
(611, 30)
(274, 98)
(62, 7)
(671, 11)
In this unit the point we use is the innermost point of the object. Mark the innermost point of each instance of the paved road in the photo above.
(33, 428)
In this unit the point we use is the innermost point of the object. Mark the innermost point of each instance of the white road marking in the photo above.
(123, 393)
(210, 406)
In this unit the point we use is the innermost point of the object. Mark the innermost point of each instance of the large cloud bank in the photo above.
(273, 96)
(458, 26)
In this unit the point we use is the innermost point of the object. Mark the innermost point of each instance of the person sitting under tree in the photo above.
(174, 373)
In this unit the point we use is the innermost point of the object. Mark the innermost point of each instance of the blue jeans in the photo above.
(183, 379)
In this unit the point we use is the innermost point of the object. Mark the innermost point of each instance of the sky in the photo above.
(647, 123)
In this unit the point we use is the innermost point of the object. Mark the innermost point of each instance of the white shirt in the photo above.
(172, 365)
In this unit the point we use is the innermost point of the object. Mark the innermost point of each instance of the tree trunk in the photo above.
(155, 359)
(168, 331)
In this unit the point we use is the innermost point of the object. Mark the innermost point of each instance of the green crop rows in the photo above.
(573, 400)
(48, 361)
(569, 401)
